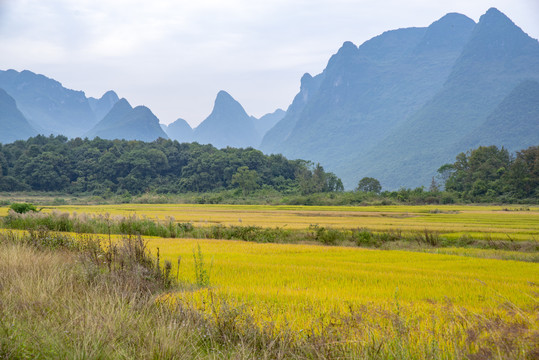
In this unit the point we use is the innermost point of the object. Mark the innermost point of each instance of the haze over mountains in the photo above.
(409, 100)
(395, 108)
(13, 124)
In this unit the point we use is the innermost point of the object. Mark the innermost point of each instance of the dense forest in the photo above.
(101, 167)
(107, 168)
(489, 173)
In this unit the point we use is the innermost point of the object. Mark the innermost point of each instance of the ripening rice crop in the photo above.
(453, 221)
(361, 294)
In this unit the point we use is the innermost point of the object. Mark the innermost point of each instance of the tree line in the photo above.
(485, 174)
(101, 167)
(119, 167)
(489, 173)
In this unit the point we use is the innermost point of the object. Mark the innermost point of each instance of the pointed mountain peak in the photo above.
(494, 19)
(346, 53)
(226, 104)
(451, 20)
(497, 37)
(180, 130)
(121, 108)
(494, 14)
(223, 96)
(110, 96)
(122, 103)
(144, 110)
(180, 122)
(452, 32)
(306, 80)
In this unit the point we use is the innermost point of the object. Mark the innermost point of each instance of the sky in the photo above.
(175, 55)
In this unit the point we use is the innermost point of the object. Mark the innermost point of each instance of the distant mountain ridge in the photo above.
(491, 65)
(180, 130)
(48, 106)
(102, 106)
(227, 125)
(396, 107)
(125, 122)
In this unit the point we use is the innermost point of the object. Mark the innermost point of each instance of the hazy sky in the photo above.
(174, 56)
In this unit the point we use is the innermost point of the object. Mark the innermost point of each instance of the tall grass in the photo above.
(169, 228)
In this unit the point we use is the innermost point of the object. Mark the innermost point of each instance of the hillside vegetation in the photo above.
(105, 167)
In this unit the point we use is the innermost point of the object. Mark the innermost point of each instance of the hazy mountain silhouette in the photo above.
(102, 106)
(268, 121)
(498, 57)
(47, 105)
(13, 124)
(364, 92)
(514, 123)
(397, 106)
(125, 122)
(180, 130)
(227, 125)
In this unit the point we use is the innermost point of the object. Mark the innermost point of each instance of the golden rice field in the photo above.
(306, 287)
(441, 297)
(495, 222)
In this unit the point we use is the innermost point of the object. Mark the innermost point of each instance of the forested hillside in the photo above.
(117, 166)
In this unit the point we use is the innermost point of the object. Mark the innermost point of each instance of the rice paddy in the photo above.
(446, 299)
(495, 222)
(311, 288)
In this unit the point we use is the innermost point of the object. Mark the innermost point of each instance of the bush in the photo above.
(22, 208)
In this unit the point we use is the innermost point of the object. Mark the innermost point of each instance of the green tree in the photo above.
(479, 172)
(522, 178)
(246, 179)
(369, 184)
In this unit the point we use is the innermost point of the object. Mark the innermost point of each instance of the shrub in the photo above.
(22, 208)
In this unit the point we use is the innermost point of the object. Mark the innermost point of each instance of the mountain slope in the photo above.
(268, 121)
(514, 124)
(366, 92)
(48, 106)
(274, 138)
(13, 124)
(180, 130)
(227, 125)
(102, 106)
(497, 58)
(125, 122)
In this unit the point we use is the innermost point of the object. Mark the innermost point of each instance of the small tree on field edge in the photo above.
(369, 184)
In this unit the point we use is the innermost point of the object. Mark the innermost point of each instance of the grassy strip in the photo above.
(362, 237)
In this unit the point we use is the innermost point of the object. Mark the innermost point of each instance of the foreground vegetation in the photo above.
(61, 300)
(83, 297)
(79, 281)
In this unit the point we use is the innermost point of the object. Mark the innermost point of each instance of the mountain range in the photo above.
(405, 102)
(396, 108)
